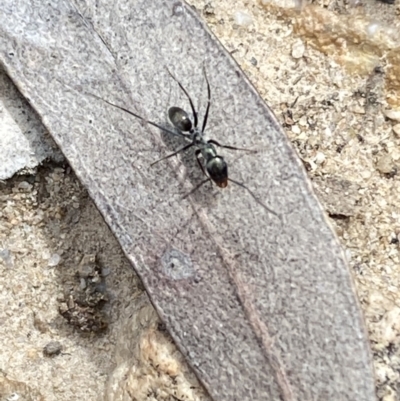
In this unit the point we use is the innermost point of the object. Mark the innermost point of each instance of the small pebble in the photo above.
(6, 255)
(396, 129)
(319, 158)
(296, 129)
(298, 49)
(13, 397)
(392, 114)
(82, 283)
(385, 164)
(373, 28)
(303, 121)
(86, 271)
(358, 109)
(243, 19)
(297, 4)
(54, 260)
(52, 348)
(24, 185)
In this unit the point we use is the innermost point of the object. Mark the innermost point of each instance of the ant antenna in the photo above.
(208, 100)
(188, 96)
(176, 133)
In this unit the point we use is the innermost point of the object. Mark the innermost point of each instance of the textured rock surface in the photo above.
(319, 166)
(24, 142)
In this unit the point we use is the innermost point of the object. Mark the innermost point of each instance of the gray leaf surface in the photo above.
(263, 307)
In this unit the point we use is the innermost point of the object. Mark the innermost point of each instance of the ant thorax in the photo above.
(198, 136)
(208, 150)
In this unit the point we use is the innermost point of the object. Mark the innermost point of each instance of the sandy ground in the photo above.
(69, 295)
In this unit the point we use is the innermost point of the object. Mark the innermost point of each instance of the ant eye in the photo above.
(180, 119)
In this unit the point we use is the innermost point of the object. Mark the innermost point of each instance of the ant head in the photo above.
(180, 119)
(217, 169)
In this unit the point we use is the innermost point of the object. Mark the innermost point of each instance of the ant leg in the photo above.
(230, 147)
(198, 152)
(255, 197)
(195, 188)
(173, 154)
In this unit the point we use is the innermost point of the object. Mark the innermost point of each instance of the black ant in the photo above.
(215, 167)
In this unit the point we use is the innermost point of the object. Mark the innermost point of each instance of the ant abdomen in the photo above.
(218, 171)
(180, 119)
